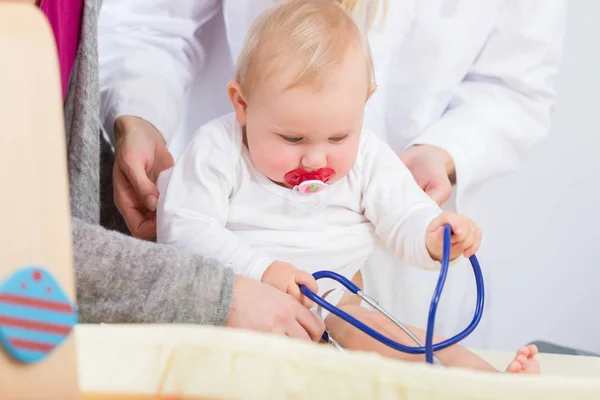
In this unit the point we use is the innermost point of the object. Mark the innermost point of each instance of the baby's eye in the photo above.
(337, 139)
(292, 139)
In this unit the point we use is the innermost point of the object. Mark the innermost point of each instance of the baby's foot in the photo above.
(525, 361)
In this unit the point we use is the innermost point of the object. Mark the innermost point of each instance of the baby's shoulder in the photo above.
(368, 145)
(221, 136)
(376, 160)
(216, 145)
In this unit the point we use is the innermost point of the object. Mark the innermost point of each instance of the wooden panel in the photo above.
(34, 209)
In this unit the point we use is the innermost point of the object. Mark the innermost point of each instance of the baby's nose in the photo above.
(314, 161)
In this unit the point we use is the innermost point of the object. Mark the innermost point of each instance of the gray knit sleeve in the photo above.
(124, 280)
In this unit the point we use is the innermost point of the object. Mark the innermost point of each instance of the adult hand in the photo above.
(261, 307)
(141, 155)
(432, 168)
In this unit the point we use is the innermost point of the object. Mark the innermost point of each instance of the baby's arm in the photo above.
(395, 204)
(194, 203)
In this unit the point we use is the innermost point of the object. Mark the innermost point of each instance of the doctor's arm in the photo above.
(503, 106)
(148, 57)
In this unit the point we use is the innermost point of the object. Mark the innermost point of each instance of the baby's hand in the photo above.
(465, 239)
(286, 277)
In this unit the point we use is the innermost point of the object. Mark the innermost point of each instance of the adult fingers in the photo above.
(312, 324)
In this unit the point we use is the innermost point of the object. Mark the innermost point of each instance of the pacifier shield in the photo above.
(36, 316)
(311, 187)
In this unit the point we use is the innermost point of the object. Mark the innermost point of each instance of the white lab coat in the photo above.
(473, 77)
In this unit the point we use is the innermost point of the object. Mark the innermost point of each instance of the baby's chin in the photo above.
(280, 182)
(286, 185)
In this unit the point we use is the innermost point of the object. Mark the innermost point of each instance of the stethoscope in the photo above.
(428, 347)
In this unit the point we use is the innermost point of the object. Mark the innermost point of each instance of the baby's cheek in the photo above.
(343, 161)
(275, 162)
(278, 167)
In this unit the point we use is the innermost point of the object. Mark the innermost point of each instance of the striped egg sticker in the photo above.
(36, 316)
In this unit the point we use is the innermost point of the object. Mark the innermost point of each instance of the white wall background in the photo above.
(546, 216)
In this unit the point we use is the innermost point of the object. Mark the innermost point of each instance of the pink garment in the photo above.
(65, 18)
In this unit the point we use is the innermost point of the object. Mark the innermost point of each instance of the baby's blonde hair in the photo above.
(370, 8)
(312, 37)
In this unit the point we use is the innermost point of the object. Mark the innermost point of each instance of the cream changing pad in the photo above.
(216, 363)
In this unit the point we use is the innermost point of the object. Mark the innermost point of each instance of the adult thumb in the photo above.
(439, 193)
(141, 183)
(405, 157)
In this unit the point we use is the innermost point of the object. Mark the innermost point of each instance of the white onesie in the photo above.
(215, 203)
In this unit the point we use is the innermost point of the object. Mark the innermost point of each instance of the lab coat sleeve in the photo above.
(148, 56)
(503, 106)
(194, 203)
(395, 204)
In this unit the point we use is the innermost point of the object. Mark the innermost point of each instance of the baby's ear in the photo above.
(240, 106)
(372, 89)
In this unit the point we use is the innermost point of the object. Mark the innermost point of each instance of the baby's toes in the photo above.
(533, 366)
(514, 367)
(533, 350)
(525, 351)
(523, 360)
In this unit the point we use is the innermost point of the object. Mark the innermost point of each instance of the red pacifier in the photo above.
(309, 182)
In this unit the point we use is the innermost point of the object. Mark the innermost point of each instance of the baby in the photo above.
(291, 183)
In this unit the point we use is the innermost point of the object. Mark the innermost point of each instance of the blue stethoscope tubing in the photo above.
(429, 348)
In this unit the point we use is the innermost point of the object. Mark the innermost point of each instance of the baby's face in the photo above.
(306, 127)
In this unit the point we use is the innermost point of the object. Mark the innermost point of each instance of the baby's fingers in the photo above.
(454, 220)
(306, 279)
(461, 232)
(472, 249)
(467, 240)
(294, 291)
